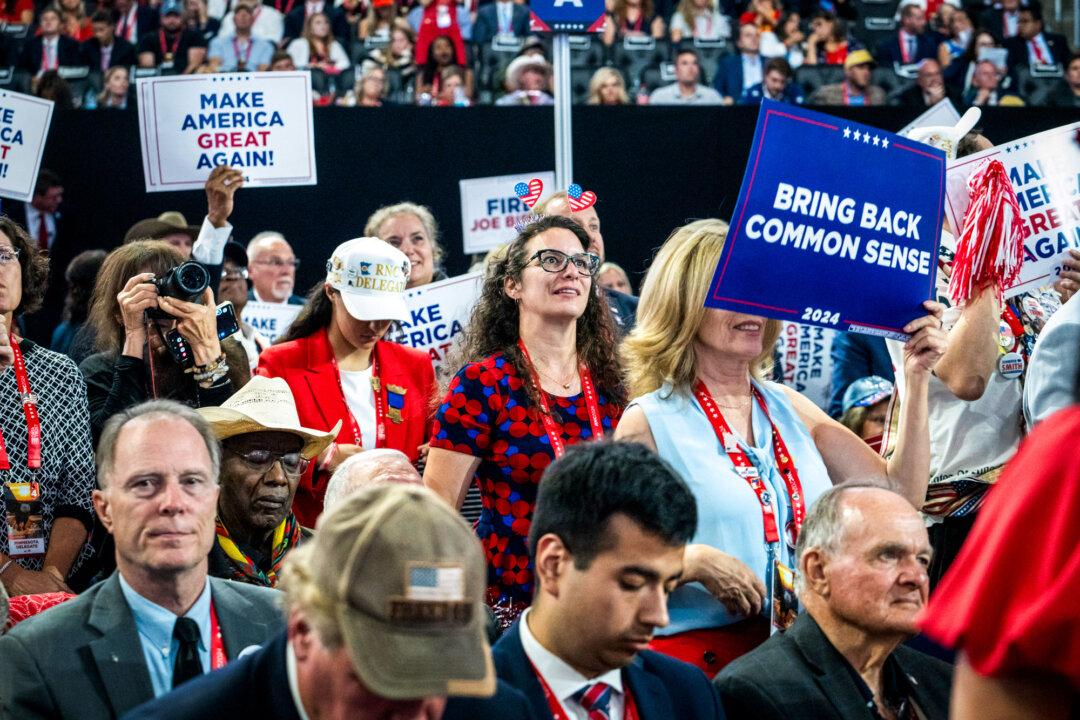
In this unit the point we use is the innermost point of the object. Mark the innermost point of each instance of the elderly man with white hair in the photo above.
(863, 556)
(381, 466)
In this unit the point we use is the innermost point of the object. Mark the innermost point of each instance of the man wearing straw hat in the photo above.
(265, 450)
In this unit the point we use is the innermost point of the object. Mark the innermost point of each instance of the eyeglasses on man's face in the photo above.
(279, 263)
(262, 460)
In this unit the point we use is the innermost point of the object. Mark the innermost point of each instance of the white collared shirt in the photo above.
(751, 71)
(294, 686)
(33, 221)
(564, 680)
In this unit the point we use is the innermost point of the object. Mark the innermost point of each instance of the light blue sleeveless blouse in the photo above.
(729, 514)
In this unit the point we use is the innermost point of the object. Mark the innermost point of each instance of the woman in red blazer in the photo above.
(339, 367)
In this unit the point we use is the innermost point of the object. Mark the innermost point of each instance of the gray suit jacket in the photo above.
(82, 660)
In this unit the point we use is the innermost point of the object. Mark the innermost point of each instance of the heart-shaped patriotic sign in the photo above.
(529, 194)
(580, 199)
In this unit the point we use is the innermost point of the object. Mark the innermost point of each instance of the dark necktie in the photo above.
(188, 664)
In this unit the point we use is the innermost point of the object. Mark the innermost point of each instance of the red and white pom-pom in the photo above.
(991, 246)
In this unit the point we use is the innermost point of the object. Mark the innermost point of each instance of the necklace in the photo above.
(565, 385)
(740, 406)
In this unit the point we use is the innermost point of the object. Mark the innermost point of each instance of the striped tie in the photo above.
(595, 699)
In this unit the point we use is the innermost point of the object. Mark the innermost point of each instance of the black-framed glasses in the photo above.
(555, 261)
(263, 460)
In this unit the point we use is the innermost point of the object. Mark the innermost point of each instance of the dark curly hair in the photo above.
(493, 327)
(34, 265)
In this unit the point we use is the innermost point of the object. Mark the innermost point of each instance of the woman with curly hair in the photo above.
(540, 373)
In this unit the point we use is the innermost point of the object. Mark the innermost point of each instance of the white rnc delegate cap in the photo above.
(371, 275)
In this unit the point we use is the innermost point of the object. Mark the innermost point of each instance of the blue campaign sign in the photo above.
(567, 16)
(837, 225)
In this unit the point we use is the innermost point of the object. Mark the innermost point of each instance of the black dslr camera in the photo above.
(187, 281)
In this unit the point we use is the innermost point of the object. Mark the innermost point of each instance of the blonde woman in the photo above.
(683, 358)
(699, 19)
(115, 92)
(607, 87)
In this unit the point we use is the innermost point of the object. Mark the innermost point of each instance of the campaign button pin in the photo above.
(1011, 365)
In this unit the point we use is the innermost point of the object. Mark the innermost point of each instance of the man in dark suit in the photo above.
(608, 533)
(863, 560)
(105, 50)
(158, 621)
(741, 71)
(623, 307)
(134, 20)
(1002, 20)
(385, 619)
(912, 43)
(929, 88)
(503, 17)
(42, 219)
(1032, 46)
(50, 49)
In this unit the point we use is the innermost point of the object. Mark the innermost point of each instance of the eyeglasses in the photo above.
(8, 256)
(555, 261)
(241, 274)
(278, 263)
(263, 460)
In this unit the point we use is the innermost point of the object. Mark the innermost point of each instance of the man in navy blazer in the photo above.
(51, 49)
(742, 70)
(912, 43)
(491, 20)
(1033, 46)
(608, 533)
(385, 619)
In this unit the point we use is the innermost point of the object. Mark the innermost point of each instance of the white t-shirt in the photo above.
(360, 397)
(966, 438)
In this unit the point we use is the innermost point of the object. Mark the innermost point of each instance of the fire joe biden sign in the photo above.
(837, 225)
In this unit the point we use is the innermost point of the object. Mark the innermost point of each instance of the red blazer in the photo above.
(307, 365)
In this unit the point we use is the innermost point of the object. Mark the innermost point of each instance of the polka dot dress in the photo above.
(487, 414)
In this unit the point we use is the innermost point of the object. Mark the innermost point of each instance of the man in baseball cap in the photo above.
(385, 620)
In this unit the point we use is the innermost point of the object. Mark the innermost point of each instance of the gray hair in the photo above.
(823, 527)
(420, 212)
(366, 469)
(153, 410)
(265, 237)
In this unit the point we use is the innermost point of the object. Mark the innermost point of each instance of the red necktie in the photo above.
(1039, 56)
(43, 233)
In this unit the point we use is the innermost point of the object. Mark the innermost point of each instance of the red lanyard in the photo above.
(288, 6)
(905, 50)
(50, 63)
(247, 56)
(558, 713)
(591, 403)
(217, 645)
(380, 402)
(784, 463)
(33, 422)
(169, 53)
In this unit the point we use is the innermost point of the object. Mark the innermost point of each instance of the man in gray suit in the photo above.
(158, 620)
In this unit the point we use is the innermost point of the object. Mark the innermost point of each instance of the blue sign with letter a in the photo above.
(567, 16)
(837, 225)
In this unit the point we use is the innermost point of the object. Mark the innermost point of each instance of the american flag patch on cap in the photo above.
(436, 582)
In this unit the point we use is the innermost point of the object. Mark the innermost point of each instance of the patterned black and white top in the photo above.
(67, 475)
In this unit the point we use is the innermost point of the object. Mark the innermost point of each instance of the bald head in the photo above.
(369, 469)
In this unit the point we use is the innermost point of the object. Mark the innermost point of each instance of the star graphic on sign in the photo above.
(885, 142)
(857, 136)
(877, 141)
(847, 132)
(866, 138)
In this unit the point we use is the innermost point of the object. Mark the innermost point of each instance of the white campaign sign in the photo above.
(270, 320)
(1045, 172)
(438, 314)
(806, 361)
(490, 209)
(942, 114)
(24, 124)
(260, 123)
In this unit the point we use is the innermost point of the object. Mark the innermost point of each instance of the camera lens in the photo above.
(192, 278)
